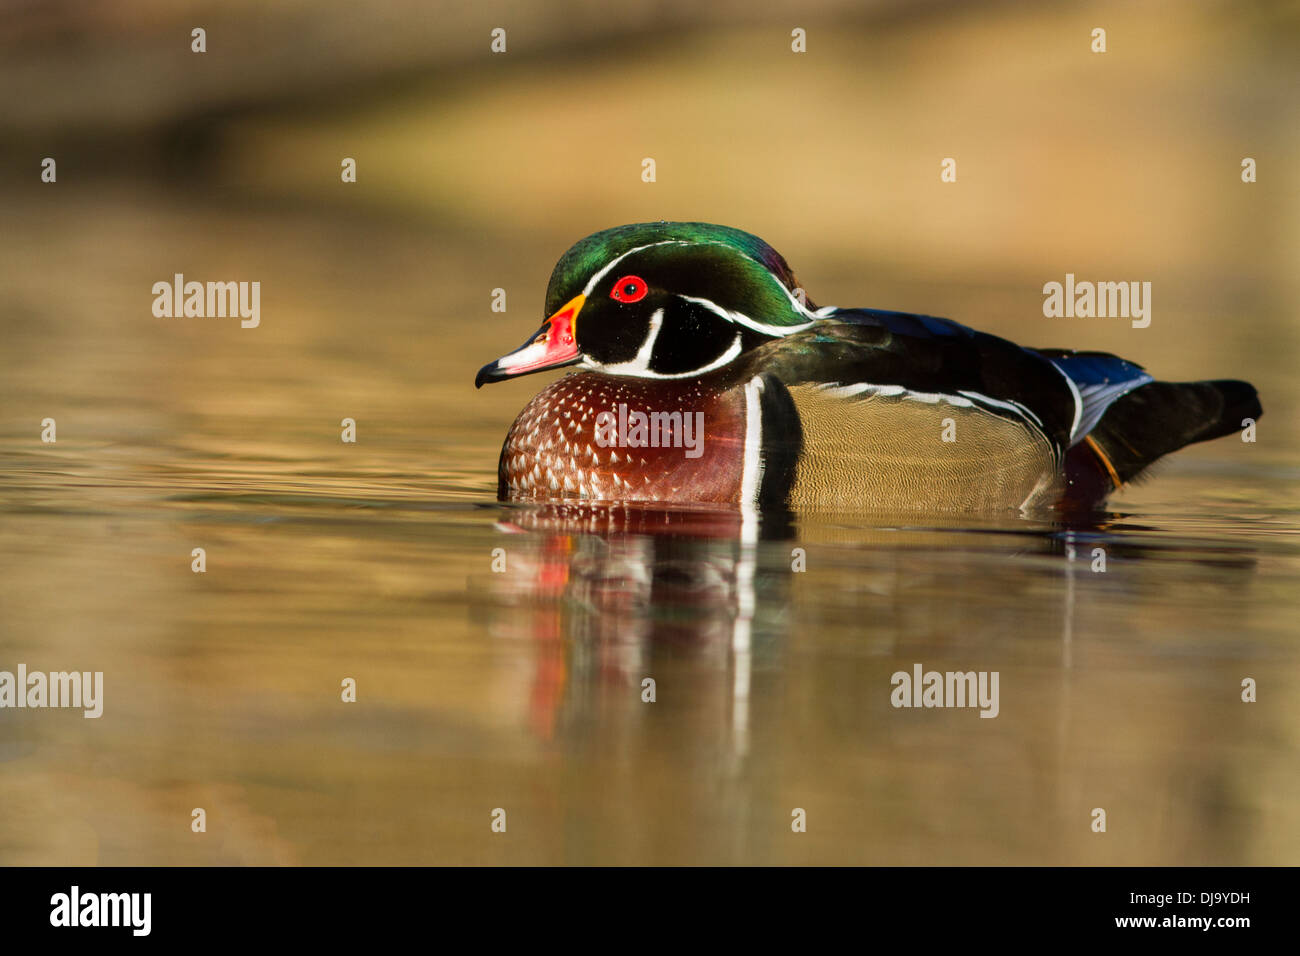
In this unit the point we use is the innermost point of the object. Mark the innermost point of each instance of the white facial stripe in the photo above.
(739, 318)
(724, 358)
(595, 280)
(794, 301)
(642, 357)
(800, 307)
(640, 365)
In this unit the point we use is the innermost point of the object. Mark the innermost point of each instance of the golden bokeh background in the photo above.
(475, 172)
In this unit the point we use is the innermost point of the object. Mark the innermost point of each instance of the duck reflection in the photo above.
(617, 590)
(613, 595)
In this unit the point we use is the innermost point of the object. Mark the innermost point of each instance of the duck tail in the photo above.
(1160, 417)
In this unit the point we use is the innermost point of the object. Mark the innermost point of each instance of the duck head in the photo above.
(666, 300)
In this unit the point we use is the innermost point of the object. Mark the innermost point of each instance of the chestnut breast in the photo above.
(607, 438)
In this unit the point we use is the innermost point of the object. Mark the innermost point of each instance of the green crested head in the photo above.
(661, 300)
(749, 258)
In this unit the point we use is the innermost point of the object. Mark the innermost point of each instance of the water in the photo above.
(522, 690)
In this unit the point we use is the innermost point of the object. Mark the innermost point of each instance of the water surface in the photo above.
(522, 689)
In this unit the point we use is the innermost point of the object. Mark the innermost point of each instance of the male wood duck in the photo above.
(708, 377)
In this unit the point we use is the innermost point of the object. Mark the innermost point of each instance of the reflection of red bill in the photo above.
(553, 346)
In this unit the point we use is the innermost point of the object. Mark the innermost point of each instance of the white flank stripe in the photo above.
(1010, 406)
(894, 391)
(1078, 400)
(847, 391)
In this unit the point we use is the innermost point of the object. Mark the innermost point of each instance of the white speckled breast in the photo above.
(551, 451)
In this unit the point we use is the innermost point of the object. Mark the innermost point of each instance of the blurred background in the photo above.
(475, 171)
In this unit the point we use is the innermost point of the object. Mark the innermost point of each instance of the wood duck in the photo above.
(708, 377)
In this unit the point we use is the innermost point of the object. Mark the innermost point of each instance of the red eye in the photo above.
(629, 289)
